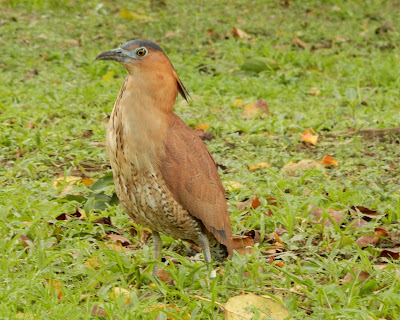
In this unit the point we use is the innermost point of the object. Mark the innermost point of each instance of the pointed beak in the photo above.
(118, 54)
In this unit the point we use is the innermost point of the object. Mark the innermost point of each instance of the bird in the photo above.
(165, 177)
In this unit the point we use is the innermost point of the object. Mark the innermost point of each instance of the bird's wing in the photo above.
(192, 176)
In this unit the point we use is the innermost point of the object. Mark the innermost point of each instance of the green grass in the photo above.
(45, 114)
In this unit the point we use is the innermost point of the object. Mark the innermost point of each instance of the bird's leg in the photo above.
(205, 245)
(157, 251)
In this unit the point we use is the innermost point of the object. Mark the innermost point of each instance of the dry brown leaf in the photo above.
(300, 43)
(259, 165)
(253, 109)
(26, 241)
(243, 244)
(358, 223)
(262, 105)
(18, 154)
(56, 285)
(310, 136)
(373, 214)
(205, 136)
(240, 34)
(163, 275)
(239, 308)
(103, 220)
(117, 238)
(315, 91)
(364, 241)
(117, 247)
(362, 276)
(87, 134)
(31, 125)
(96, 310)
(254, 234)
(255, 203)
(306, 164)
(337, 216)
(329, 161)
(390, 253)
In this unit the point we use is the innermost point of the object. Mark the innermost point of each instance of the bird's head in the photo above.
(142, 57)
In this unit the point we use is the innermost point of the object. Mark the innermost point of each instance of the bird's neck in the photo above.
(139, 122)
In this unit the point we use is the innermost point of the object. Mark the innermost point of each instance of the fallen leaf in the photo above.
(163, 275)
(93, 262)
(337, 216)
(300, 43)
(240, 308)
(26, 241)
(372, 214)
(117, 247)
(362, 276)
(203, 126)
(67, 179)
(18, 154)
(118, 292)
(67, 190)
(358, 223)
(259, 165)
(310, 136)
(87, 134)
(240, 34)
(205, 136)
(96, 310)
(249, 111)
(303, 165)
(88, 181)
(390, 253)
(315, 91)
(56, 285)
(253, 109)
(385, 27)
(103, 220)
(31, 125)
(238, 102)
(169, 34)
(233, 185)
(329, 161)
(262, 105)
(117, 238)
(364, 241)
(243, 244)
(255, 203)
(254, 234)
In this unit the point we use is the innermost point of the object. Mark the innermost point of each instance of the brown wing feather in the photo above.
(191, 174)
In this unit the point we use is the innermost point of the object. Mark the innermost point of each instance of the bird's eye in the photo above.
(141, 52)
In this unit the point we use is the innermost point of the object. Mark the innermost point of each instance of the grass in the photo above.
(54, 102)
